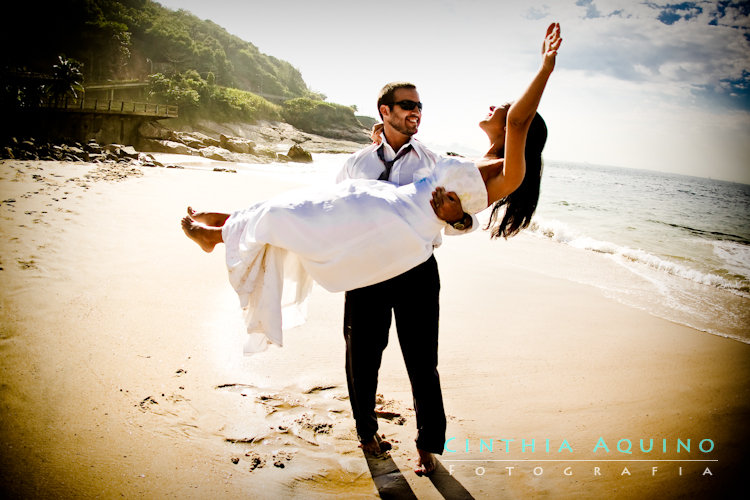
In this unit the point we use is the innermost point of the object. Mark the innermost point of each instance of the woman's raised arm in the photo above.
(519, 118)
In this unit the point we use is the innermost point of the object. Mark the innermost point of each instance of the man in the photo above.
(412, 297)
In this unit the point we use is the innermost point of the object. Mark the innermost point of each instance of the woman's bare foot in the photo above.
(206, 237)
(215, 219)
(426, 464)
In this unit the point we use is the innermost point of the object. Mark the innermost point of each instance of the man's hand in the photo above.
(446, 205)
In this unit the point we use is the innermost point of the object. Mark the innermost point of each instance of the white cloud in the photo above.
(638, 46)
(537, 13)
(591, 11)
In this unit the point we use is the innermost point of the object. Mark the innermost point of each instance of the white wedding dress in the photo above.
(344, 236)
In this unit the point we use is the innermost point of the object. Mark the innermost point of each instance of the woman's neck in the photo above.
(496, 149)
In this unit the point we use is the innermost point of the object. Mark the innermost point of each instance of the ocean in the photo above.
(683, 243)
(675, 246)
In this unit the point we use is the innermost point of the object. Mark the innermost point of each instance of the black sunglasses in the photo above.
(408, 105)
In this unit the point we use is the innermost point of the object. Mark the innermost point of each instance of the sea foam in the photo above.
(562, 233)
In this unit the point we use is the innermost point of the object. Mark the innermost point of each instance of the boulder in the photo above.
(74, 153)
(214, 153)
(152, 130)
(208, 141)
(165, 146)
(237, 145)
(92, 147)
(197, 140)
(147, 160)
(117, 151)
(128, 152)
(296, 153)
(267, 153)
(113, 149)
(188, 139)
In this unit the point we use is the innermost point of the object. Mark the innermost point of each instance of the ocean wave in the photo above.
(562, 233)
(735, 256)
(703, 232)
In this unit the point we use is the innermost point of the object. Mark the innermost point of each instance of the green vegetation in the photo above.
(67, 79)
(366, 121)
(199, 98)
(316, 116)
(130, 39)
(194, 63)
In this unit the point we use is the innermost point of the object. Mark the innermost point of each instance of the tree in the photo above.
(68, 79)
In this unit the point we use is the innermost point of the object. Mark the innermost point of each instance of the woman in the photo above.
(360, 232)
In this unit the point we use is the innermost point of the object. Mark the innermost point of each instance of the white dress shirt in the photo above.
(414, 165)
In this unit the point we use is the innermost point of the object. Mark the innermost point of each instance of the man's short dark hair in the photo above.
(386, 93)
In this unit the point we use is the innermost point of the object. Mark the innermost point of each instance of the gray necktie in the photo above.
(389, 164)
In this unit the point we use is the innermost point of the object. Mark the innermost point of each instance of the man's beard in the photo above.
(401, 127)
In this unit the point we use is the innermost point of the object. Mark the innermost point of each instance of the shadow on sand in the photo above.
(448, 486)
(389, 481)
(392, 484)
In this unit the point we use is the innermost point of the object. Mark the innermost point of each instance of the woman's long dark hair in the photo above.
(521, 203)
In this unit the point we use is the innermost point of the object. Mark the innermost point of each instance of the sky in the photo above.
(639, 84)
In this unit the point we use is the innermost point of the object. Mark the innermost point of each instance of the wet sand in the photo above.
(123, 375)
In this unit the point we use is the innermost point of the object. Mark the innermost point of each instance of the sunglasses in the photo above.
(408, 105)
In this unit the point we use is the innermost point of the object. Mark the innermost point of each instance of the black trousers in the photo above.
(413, 297)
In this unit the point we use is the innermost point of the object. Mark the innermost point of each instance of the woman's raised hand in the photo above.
(551, 43)
(376, 134)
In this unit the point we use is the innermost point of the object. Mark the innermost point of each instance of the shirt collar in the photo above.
(416, 146)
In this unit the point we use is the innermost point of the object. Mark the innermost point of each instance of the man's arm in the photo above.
(469, 223)
(447, 207)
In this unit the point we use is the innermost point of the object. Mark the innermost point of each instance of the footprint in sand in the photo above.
(256, 461)
(27, 264)
(313, 421)
(176, 410)
(314, 409)
(305, 427)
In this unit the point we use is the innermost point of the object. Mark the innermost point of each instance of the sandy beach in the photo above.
(122, 372)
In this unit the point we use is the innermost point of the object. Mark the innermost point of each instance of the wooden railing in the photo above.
(115, 107)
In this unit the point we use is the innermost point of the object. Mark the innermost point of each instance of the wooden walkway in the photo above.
(102, 106)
